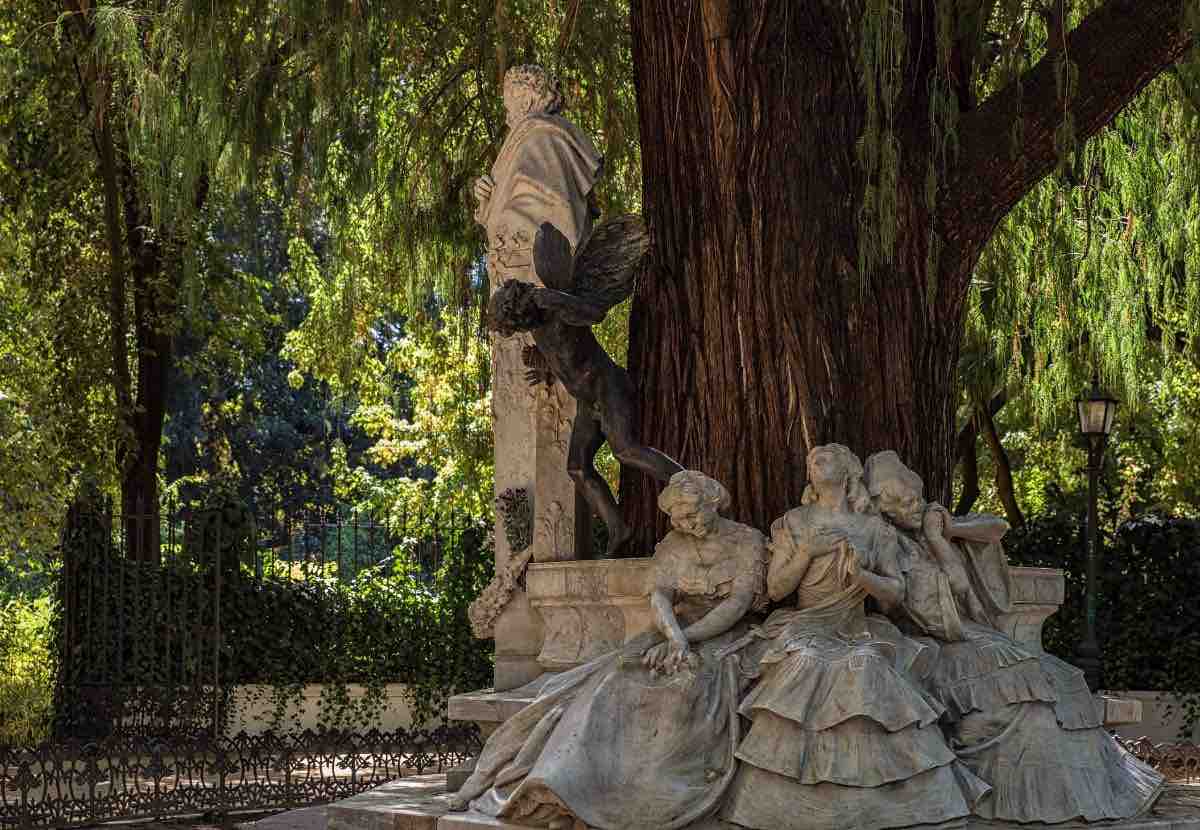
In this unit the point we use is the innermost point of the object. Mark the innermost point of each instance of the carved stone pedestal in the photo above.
(1037, 595)
(588, 608)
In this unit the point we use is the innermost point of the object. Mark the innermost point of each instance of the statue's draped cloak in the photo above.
(545, 172)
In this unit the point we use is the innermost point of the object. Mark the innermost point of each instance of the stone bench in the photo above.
(592, 607)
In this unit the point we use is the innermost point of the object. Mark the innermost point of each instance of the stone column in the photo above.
(545, 172)
(532, 430)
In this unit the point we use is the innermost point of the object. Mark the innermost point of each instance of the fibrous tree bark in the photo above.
(755, 334)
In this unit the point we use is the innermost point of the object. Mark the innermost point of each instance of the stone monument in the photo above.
(872, 662)
(873, 696)
(545, 173)
(579, 290)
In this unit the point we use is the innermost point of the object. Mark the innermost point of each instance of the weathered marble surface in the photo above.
(886, 689)
(589, 602)
(545, 172)
(644, 735)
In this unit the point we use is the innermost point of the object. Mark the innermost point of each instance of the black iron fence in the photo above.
(152, 641)
(152, 644)
(72, 783)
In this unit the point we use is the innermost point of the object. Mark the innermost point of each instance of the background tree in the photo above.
(821, 182)
(820, 212)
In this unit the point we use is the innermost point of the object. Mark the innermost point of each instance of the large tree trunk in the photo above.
(753, 336)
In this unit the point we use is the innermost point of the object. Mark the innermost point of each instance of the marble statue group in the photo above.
(844, 670)
(869, 698)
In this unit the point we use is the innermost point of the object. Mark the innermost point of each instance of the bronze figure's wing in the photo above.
(607, 268)
(552, 260)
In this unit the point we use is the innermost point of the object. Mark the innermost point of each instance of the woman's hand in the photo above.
(937, 522)
(668, 656)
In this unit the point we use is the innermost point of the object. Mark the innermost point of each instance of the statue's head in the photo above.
(895, 490)
(530, 90)
(833, 469)
(694, 502)
(512, 309)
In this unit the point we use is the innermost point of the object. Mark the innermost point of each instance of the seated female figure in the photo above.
(642, 737)
(1023, 721)
(841, 736)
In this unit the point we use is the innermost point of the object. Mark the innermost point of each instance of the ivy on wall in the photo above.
(195, 621)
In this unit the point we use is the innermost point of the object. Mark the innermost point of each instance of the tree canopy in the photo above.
(291, 181)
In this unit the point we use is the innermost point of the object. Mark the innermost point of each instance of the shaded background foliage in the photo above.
(1147, 617)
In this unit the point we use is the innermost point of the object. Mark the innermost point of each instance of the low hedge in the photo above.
(1148, 616)
(127, 623)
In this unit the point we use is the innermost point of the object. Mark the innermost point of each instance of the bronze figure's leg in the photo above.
(586, 439)
(620, 430)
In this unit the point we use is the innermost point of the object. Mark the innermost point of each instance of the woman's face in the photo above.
(693, 517)
(901, 503)
(825, 471)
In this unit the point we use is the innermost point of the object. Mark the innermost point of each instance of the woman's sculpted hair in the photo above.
(856, 491)
(694, 486)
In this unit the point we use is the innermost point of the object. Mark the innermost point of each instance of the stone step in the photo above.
(419, 803)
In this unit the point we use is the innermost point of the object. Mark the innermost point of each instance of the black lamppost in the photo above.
(1096, 413)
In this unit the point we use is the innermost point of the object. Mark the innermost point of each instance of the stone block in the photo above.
(489, 706)
(519, 638)
(1037, 594)
(1119, 711)
(588, 608)
(405, 804)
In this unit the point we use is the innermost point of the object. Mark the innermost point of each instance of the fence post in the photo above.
(217, 573)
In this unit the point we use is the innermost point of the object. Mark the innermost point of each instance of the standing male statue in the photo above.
(545, 172)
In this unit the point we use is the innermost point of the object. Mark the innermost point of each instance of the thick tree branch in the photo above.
(966, 453)
(1119, 48)
(968, 456)
(1004, 477)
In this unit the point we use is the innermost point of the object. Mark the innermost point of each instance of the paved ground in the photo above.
(231, 823)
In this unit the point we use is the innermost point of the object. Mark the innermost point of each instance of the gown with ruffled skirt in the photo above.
(1021, 720)
(841, 735)
(615, 746)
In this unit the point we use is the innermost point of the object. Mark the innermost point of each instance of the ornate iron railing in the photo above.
(1177, 761)
(73, 783)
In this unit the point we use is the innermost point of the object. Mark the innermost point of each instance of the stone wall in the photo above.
(254, 709)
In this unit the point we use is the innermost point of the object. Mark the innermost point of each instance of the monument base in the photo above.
(419, 803)
(592, 607)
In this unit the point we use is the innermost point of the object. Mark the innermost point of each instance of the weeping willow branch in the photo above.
(1119, 48)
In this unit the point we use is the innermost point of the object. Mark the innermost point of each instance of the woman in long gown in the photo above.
(642, 738)
(840, 735)
(1023, 721)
